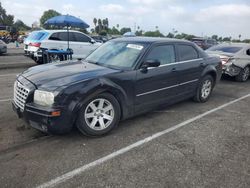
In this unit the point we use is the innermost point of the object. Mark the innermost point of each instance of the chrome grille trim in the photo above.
(20, 95)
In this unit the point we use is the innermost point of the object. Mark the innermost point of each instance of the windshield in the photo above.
(117, 54)
(226, 49)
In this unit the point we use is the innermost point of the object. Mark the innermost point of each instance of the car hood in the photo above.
(54, 75)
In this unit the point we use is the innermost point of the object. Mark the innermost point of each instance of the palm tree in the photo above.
(107, 23)
(99, 25)
(104, 23)
(95, 21)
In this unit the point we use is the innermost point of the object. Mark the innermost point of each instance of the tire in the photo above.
(243, 75)
(39, 61)
(93, 120)
(204, 89)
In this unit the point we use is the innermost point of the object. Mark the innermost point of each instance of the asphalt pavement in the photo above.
(193, 145)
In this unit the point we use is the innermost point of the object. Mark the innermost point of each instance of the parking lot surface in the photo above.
(209, 150)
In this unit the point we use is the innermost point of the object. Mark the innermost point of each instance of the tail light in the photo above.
(35, 44)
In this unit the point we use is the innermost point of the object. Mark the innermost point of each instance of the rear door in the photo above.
(189, 67)
(159, 84)
(59, 40)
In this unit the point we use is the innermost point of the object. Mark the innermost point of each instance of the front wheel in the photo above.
(99, 115)
(243, 75)
(204, 89)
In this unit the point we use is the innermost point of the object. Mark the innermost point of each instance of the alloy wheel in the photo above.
(99, 114)
(206, 89)
(246, 72)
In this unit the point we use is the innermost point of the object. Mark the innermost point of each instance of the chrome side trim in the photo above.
(165, 88)
(176, 63)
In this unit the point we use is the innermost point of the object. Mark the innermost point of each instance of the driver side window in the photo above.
(165, 54)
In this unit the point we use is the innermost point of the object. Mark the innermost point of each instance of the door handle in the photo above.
(174, 69)
(202, 64)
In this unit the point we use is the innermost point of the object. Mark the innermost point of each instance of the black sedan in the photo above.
(122, 78)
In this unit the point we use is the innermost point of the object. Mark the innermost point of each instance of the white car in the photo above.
(3, 47)
(37, 41)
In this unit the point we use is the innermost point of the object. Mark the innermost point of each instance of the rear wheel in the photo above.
(204, 89)
(99, 115)
(243, 75)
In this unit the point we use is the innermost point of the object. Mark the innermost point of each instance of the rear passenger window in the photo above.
(62, 36)
(54, 36)
(165, 54)
(81, 37)
(187, 52)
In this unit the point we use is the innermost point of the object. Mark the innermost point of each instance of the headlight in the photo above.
(43, 98)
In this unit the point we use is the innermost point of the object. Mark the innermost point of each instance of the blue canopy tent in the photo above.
(67, 21)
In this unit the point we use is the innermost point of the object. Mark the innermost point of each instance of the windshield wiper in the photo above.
(93, 62)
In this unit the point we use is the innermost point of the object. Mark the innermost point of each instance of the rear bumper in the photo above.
(41, 119)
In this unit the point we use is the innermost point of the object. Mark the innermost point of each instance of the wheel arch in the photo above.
(102, 86)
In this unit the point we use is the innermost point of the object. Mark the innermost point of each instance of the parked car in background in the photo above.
(122, 78)
(235, 59)
(3, 47)
(37, 41)
(204, 43)
(99, 38)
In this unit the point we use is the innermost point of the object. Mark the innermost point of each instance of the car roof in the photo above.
(58, 30)
(235, 44)
(149, 40)
(200, 38)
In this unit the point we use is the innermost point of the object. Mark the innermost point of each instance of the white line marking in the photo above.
(8, 74)
(5, 100)
(97, 162)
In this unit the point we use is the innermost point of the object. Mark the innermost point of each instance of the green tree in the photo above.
(125, 30)
(226, 39)
(153, 34)
(215, 37)
(246, 41)
(47, 15)
(138, 33)
(114, 31)
(170, 35)
(5, 19)
(103, 33)
(20, 26)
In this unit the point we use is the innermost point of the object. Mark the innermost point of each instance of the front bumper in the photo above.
(231, 70)
(41, 118)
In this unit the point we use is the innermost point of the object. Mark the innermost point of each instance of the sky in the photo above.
(198, 17)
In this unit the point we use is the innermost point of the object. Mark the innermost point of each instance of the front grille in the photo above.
(20, 95)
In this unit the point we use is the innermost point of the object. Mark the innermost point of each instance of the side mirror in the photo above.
(149, 63)
(92, 41)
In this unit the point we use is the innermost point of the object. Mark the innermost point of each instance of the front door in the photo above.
(159, 84)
